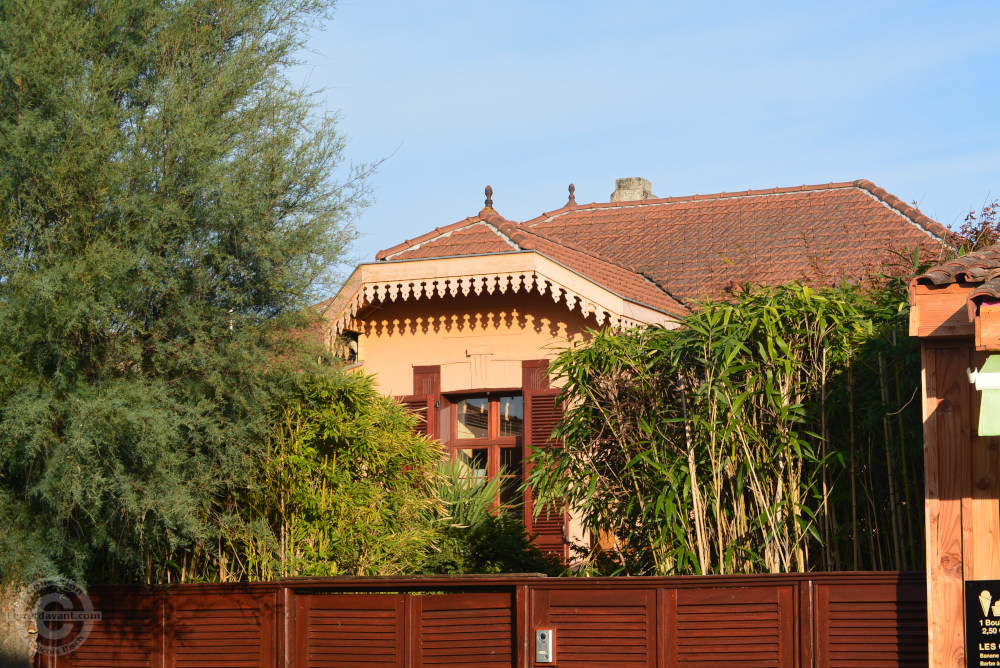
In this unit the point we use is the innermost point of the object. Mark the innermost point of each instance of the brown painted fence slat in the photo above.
(334, 630)
(746, 626)
(126, 636)
(223, 630)
(871, 625)
(611, 627)
(458, 630)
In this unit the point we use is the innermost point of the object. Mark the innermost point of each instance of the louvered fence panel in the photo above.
(342, 630)
(126, 636)
(457, 630)
(728, 626)
(815, 620)
(608, 627)
(876, 626)
(220, 630)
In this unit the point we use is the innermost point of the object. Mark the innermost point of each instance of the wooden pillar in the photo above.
(961, 469)
(947, 475)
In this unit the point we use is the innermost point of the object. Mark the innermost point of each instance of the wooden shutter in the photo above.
(541, 416)
(423, 401)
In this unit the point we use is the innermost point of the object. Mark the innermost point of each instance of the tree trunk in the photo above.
(16, 644)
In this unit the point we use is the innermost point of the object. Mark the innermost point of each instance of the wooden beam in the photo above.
(948, 502)
(985, 503)
(940, 310)
(988, 328)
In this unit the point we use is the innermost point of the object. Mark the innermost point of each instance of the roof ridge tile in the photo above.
(427, 236)
(486, 215)
(930, 225)
(833, 185)
(908, 210)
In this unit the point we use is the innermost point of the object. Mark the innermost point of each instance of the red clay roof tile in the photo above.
(976, 267)
(659, 251)
(695, 246)
(620, 280)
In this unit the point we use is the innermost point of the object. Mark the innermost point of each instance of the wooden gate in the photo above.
(393, 630)
(781, 621)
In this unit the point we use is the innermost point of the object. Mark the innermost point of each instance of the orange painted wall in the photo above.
(479, 341)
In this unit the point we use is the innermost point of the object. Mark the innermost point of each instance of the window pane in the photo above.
(511, 416)
(510, 477)
(510, 461)
(510, 493)
(473, 462)
(473, 418)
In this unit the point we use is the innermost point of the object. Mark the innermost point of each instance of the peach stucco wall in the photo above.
(479, 341)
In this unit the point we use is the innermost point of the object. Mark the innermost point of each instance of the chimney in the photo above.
(632, 189)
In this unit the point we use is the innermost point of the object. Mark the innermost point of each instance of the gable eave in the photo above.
(389, 281)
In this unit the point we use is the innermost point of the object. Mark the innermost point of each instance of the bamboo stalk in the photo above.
(916, 546)
(824, 466)
(699, 520)
(897, 547)
(854, 486)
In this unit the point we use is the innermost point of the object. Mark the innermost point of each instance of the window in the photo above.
(489, 440)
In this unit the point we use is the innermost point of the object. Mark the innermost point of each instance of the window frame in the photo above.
(493, 443)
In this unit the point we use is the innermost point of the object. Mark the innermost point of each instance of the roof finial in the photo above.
(489, 197)
(572, 194)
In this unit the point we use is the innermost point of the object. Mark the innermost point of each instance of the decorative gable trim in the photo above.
(522, 272)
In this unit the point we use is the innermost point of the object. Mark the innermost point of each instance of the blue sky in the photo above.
(696, 97)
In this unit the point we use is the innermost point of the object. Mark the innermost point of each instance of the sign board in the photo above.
(982, 623)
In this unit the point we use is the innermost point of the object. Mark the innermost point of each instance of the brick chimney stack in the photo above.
(632, 189)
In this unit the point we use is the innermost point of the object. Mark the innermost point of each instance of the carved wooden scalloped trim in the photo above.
(380, 293)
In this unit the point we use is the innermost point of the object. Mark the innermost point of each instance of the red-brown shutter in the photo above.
(542, 415)
(426, 393)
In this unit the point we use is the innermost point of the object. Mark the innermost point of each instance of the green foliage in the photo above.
(466, 502)
(166, 209)
(342, 488)
(473, 538)
(980, 230)
(778, 432)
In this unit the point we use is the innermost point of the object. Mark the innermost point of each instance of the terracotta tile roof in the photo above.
(622, 281)
(698, 246)
(472, 236)
(680, 249)
(973, 267)
(982, 266)
(989, 291)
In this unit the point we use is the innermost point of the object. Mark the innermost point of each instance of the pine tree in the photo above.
(167, 208)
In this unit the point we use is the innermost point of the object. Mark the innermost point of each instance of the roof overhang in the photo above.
(524, 271)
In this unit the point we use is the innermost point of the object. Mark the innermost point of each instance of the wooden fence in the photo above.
(795, 620)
